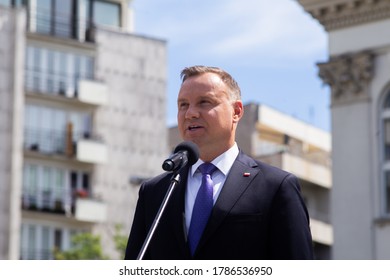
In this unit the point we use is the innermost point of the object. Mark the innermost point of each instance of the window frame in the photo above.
(384, 193)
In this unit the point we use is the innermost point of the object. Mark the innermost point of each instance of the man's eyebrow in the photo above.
(181, 100)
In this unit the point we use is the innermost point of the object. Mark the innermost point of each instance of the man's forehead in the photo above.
(202, 84)
(204, 78)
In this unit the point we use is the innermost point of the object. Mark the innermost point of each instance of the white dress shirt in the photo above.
(224, 163)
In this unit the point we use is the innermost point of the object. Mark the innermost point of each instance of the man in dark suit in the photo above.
(257, 210)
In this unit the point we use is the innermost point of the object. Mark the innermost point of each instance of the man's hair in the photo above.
(234, 89)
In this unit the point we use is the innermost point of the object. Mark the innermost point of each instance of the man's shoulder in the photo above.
(265, 168)
(162, 181)
(158, 179)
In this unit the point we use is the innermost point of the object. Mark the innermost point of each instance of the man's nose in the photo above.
(192, 112)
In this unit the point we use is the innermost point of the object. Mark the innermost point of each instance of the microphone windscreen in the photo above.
(192, 150)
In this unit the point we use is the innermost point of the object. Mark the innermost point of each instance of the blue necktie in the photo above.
(202, 207)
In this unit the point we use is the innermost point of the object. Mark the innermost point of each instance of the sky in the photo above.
(271, 48)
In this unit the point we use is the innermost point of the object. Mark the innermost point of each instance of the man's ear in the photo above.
(238, 111)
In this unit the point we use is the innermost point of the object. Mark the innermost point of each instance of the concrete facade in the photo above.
(358, 75)
(132, 123)
(12, 24)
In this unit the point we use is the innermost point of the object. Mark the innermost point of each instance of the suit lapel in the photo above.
(241, 174)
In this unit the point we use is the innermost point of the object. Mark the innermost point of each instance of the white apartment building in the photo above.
(82, 120)
(358, 73)
(295, 146)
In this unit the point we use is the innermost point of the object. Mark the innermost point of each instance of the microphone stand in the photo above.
(174, 182)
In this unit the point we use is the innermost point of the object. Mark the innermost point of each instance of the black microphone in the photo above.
(185, 153)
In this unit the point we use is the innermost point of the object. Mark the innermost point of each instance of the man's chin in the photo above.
(194, 140)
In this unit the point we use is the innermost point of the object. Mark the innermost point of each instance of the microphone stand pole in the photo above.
(174, 182)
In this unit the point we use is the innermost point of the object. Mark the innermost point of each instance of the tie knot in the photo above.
(207, 168)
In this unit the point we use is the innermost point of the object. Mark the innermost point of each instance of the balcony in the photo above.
(301, 167)
(321, 232)
(36, 254)
(84, 147)
(310, 165)
(60, 24)
(90, 210)
(55, 201)
(91, 151)
(92, 92)
(76, 86)
(78, 204)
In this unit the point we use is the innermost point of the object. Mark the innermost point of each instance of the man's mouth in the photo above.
(193, 127)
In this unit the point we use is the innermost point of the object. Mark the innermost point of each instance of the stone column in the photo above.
(349, 77)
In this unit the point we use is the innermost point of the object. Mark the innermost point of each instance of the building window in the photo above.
(51, 130)
(386, 154)
(6, 3)
(38, 242)
(13, 3)
(45, 189)
(51, 189)
(55, 72)
(106, 13)
(52, 17)
(68, 18)
(80, 184)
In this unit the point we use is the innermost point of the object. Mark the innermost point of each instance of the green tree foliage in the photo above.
(87, 246)
(120, 241)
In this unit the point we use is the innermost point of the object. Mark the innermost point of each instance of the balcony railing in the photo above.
(36, 254)
(72, 203)
(267, 149)
(48, 82)
(58, 200)
(55, 142)
(59, 24)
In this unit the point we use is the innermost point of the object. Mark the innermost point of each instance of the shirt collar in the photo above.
(223, 162)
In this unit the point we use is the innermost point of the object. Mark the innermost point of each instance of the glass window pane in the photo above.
(29, 66)
(32, 128)
(87, 125)
(20, 2)
(386, 139)
(37, 70)
(6, 3)
(386, 104)
(63, 18)
(73, 180)
(58, 239)
(50, 71)
(31, 244)
(105, 13)
(46, 180)
(58, 184)
(45, 243)
(88, 68)
(60, 130)
(86, 181)
(74, 119)
(44, 130)
(33, 180)
(387, 193)
(43, 16)
(63, 73)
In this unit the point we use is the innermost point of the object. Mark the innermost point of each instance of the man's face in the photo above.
(206, 114)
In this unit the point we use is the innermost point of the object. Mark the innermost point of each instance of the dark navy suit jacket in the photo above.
(257, 216)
